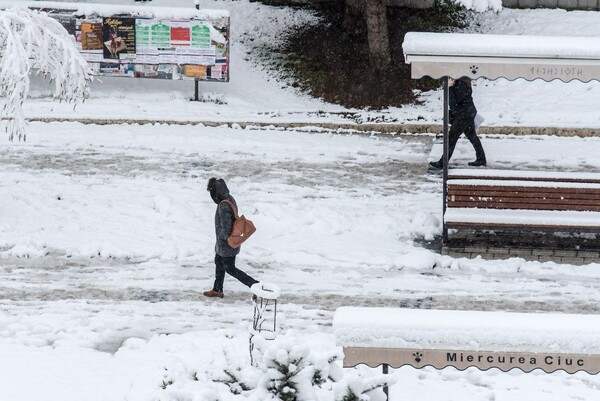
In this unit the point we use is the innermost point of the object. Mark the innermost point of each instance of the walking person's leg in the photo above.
(219, 273)
(471, 134)
(455, 130)
(217, 290)
(229, 264)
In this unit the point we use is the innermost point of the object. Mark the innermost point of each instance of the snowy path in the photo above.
(130, 197)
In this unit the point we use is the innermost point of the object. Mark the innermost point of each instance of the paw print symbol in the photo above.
(473, 69)
(418, 356)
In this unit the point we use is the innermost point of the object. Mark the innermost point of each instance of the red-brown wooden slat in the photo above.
(535, 179)
(527, 196)
(456, 224)
(521, 206)
(520, 199)
(503, 188)
(523, 197)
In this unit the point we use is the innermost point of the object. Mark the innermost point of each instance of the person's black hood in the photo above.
(218, 190)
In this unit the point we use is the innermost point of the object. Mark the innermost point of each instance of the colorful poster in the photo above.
(151, 48)
(119, 38)
(160, 71)
(117, 69)
(196, 71)
(91, 35)
(160, 35)
(216, 72)
(200, 35)
(180, 33)
(142, 36)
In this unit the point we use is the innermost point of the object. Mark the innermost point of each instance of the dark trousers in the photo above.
(227, 265)
(466, 126)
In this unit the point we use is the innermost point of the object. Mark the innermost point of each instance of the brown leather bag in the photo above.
(242, 228)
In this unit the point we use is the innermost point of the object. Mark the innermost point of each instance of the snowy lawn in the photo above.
(107, 243)
(256, 94)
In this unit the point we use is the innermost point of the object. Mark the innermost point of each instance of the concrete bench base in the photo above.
(533, 246)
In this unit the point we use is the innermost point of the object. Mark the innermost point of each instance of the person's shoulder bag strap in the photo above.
(235, 212)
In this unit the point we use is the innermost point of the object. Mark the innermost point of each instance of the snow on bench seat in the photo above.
(512, 217)
(525, 175)
(522, 183)
(441, 338)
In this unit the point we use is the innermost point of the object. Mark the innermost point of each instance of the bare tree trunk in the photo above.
(377, 27)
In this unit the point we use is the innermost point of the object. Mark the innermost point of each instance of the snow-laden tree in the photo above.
(30, 40)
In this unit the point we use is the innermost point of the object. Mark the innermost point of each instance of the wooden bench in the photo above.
(441, 338)
(503, 199)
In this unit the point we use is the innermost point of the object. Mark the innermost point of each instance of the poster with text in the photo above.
(90, 35)
(126, 46)
(118, 35)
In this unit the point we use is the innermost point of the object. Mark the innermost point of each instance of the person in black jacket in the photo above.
(224, 254)
(462, 119)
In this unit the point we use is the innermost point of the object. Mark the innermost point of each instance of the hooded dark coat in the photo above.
(462, 118)
(224, 218)
(461, 102)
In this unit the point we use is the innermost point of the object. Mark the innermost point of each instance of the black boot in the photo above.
(478, 163)
(437, 165)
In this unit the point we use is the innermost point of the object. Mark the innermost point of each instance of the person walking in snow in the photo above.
(224, 254)
(462, 119)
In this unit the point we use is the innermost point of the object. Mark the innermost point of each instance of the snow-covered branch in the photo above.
(480, 5)
(30, 39)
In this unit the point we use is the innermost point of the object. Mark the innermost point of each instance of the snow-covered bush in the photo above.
(357, 388)
(293, 373)
(30, 39)
(238, 375)
(287, 370)
(480, 5)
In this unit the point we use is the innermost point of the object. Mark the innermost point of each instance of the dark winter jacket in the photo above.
(461, 102)
(224, 218)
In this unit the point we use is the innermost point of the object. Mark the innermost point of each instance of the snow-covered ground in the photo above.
(107, 243)
(106, 236)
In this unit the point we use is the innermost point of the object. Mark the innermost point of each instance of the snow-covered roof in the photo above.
(466, 330)
(108, 10)
(502, 56)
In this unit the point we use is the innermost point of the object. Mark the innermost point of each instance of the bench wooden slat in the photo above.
(502, 199)
(520, 189)
(520, 200)
(516, 226)
(528, 175)
(525, 195)
(536, 179)
(526, 206)
(512, 198)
